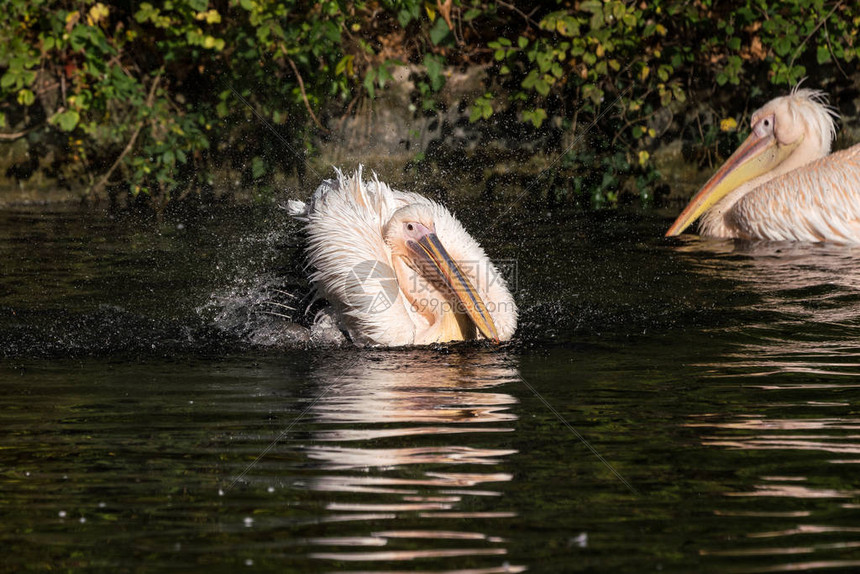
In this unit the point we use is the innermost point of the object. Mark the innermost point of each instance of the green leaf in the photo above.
(345, 65)
(823, 54)
(26, 97)
(544, 60)
(433, 64)
(8, 79)
(368, 82)
(529, 81)
(482, 108)
(258, 167)
(782, 46)
(542, 86)
(66, 120)
(536, 117)
(592, 6)
(471, 14)
(404, 17)
(439, 33)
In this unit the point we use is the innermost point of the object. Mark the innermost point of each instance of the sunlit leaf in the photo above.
(26, 97)
(728, 125)
(67, 120)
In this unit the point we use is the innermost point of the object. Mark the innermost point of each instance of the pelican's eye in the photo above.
(764, 127)
(415, 229)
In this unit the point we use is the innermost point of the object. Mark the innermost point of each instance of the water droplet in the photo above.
(220, 492)
(62, 513)
(271, 489)
(82, 520)
(248, 521)
(249, 562)
(581, 541)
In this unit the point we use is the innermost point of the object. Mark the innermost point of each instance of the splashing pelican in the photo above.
(399, 269)
(781, 184)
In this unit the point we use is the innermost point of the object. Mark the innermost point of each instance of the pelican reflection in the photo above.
(783, 399)
(416, 441)
(807, 299)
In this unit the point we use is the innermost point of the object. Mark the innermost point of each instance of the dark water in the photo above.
(158, 412)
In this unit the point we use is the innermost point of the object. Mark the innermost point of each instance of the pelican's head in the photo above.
(411, 235)
(787, 133)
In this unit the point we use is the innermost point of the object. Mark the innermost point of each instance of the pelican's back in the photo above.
(351, 265)
(817, 202)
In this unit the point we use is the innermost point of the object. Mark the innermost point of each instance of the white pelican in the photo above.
(399, 269)
(781, 184)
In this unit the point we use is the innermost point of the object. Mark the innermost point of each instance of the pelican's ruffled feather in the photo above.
(351, 265)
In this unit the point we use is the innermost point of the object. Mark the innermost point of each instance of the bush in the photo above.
(151, 97)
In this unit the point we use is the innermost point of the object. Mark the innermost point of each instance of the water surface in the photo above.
(160, 412)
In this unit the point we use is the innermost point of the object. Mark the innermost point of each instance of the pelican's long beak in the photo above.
(756, 156)
(430, 250)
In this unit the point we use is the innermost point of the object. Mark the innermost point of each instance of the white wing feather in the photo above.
(344, 220)
(344, 225)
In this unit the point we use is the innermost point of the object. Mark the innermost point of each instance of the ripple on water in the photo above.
(792, 373)
(364, 481)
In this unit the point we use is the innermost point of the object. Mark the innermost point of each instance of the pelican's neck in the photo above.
(715, 221)
(438, 318)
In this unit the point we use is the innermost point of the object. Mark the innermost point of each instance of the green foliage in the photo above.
(148, 85)
(152, 96)
(619, 62)
(482, 108)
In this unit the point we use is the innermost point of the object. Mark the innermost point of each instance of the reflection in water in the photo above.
(801, 288)
(424, 485)
(797, 360)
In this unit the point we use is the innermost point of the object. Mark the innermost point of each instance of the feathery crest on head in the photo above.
(822, 115)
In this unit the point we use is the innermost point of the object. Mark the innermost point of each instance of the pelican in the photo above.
(781, 184)
(398, 268)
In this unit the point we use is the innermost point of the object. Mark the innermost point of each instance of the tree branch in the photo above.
(17, 135)
(99, 187)
(304, 95)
